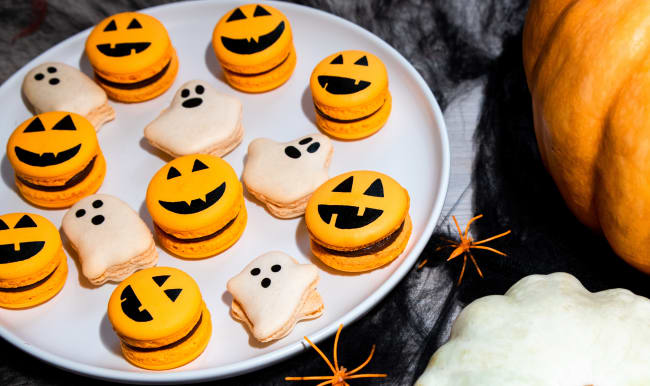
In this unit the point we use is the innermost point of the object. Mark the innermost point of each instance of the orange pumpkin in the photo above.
(588, 72)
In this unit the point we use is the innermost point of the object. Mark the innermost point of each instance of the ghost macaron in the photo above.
(56, 159)
(132, 56)
(350, 93)
(110, 238)
(358, 221)
(33, 265)
(199, 120)
(53, 86)
(254, 45)
(197, 206)
(160, 317)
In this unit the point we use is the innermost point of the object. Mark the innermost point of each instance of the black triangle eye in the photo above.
(134, 24)
(34, 126)
(259, 11)
(198, 165)
(363, 61)
(3, 226)
(376, 189)
(337, 60)
(172, 294)
(160, 280)
(345, 186)
(111, 26)
(25, 222)
(65, 124)
(173, 173)
(237, 15)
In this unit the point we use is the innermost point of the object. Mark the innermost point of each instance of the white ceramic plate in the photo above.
(72, 331)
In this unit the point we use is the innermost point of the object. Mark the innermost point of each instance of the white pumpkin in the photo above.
(547, 330)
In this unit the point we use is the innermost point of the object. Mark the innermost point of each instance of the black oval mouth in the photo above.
(194, 102)
(250, 46)
(341, 86)
(122, 49)
(347, 216)
(27, 250)
(196, 206)
(45, 159)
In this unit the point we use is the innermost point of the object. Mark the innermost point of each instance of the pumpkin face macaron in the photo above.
(358, 221)
(132, 56)
(160, 317)
(197, 206)
(254, 45)
(56, 159)
(33, 266)
(350, 92)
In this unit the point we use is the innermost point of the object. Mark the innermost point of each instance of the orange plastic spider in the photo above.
(340, 374)
(466, 243)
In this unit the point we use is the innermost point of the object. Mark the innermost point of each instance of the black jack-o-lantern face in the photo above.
(347, 216)
(25, 236)
(122, 49)
(197, 205)
(131, 305)
(48, 158)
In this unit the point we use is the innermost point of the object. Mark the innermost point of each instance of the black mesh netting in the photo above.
(449, 42)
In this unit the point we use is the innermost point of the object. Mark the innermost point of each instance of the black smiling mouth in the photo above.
(45, 159)
(122, 49)
(131, 306)
(341, 86)
(27, 250)
(347, 216)
(247, 47)
(193, 102)
(196, 206)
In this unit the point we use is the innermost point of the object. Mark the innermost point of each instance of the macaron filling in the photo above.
(330, 118)
(33, 285)
(170, 345)
(260, 73)
(202, 238)
(375, 247)
(75, 180)
(136, 85)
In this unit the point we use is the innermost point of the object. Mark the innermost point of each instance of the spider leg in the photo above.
(492, 238)
(462, 271)
(470, 223)
(457, 252)
(476, 265)
(489, 249)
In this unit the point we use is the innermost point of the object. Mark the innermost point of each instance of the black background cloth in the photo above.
(451, 43)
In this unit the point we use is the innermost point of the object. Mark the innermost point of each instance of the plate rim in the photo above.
(267, 359)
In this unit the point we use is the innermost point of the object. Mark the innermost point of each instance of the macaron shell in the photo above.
(66, 198)
(360, 207)
(356, 129)
(251, 30)
(122, 68)
(365, 262)
(169, 318)
(176, 355)
(52, 132)
(42, 292)
(265, 81)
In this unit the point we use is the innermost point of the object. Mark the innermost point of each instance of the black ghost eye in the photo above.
(276, 268)
(172, 294)
(305, 141)
(237, 15)
(134, 24)
(363, 61)
(34, 126)
(97, 204)
(39, 76)
(199, 89)
(337, 60)
(198, 165)
(255, 271)
(185, 93)
(80, 213)
(3, 226)
(375, 189)
(25, 222)
(345, 186)
(54, 81)
(160, 280)
(259, 11)
(111, 26)
(313, 147)
(292, 152)
(51, 70)
(173, 173)
(266, 282)
(65, 124)
(97, 219)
